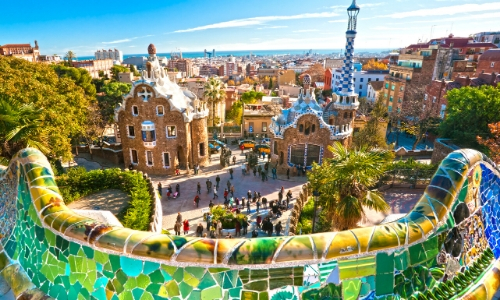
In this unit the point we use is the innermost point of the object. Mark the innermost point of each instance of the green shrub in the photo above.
(306, 219)
(227, 218)
(78, 183)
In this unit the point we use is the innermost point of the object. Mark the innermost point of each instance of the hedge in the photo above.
(78, 183)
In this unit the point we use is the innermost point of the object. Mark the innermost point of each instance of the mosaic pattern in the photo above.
(440, 249)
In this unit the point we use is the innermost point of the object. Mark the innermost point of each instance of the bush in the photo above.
(77, 183)
(227, 218)
(306, 219)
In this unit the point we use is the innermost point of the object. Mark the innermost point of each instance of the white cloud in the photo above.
(447, 10)
(119, 41)
(337, 21)
(272, 27)
(306, 30)
(258, 21)
(371, 4)
(461, 18)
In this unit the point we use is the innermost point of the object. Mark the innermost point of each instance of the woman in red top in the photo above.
(185, 224)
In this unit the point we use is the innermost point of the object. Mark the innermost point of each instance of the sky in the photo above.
(192, 26)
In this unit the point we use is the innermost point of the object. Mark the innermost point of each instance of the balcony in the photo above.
(149, 144)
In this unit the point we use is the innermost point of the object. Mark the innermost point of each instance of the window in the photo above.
(426, 96)
(385, 95)
(301, 128)
(360, 86)
(399, 100)
(166, 159)
(264, 126)
(131, 131)
(297, 154)
(313, 128)
(345, 115)
(149, 158)
(135, 110)
(492, 64)
(350, 115)
(386, 85)
(390, 99)
(159, 110)
(312, 154)
(361, 94)
(307, 128)
(171, 131)
(461, 50)
(401, 88)
(275, 147)
(393, 87)
(202, 149)
(434, 99)
(133, 156)
(369, 79)
(354, 79)
(399, 109)
(361, 80)
(376, 79)
(148, 136)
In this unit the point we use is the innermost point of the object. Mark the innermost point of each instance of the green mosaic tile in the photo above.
(259, 274)
(211, 293)
(385, 263)
(417, 254)
(147, 296)
(127, 295)
(99, 294)
(115, 262)
(101, 257)
(217, 270)
(195, 271)
(235, 292)
(154, 288)
(248, 295)
(207, 281)
(169, 269)
(190, 279)
(178, 275)
(130, 284)
(264, 296)
(351, 289)
(401, 260)
(244, 275)
(150, 267)
(156, 277)
(227, 284)
(219, 277)
(169, 289)
(185, 289)
(131, 267)
(143, 281)
(384, 284)
(277, 282)
(256, 285)
(137, 293)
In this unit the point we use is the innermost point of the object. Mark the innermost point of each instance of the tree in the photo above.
(317, 73)
(118, 69)
(469, 111)
(270, 84)
(70, 55)
(364, 106)
(373, 64)
(134, 70)
(80, 76)
(248, 80)
(113, 92)
(373, 134)
(492, 143)
(231, 82)
(95, 126)
(60, 104)
(345, 183)
(236, 111)
(214, 93)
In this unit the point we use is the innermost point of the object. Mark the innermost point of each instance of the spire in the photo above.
(352, 12)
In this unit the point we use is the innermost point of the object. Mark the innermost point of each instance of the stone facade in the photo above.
(161, 125)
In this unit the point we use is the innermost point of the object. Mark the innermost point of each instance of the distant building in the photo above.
(360, 79)
(138, 61)
(182, 65)
(487, 37)
(23, 51)
(333, 63)
(94, 67)
(162, 125)
(373, 90)
(489, 62)
(283, 77)
(115, 55)
(126, 77)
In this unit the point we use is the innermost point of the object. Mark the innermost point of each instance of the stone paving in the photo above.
(185, 202)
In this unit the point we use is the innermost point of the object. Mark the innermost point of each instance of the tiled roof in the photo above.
(376, 85)
(14, 45)
(490, 55)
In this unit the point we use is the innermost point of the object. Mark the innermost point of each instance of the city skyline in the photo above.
(241, 26)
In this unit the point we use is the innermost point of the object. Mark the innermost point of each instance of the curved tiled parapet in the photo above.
(68, 255)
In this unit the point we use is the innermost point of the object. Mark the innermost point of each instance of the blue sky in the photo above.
(190, 25)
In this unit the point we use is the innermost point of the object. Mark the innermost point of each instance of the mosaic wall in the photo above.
(444, 248)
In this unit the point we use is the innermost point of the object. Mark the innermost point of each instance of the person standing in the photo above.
(179, 217)
(234, 159)
(264, 202)
(278, 228)
(186, 226)
(159, 189)
(232, 190)
(198, 188)
(244, 225)
(215, 194)
(199, 230)
(280, 197)
(248, 205)
(178, 189)
(209, 221)
(270, 228)
(197, 200)
(304, 170)
(275, 176)
(226, 193)
(299, 170)
(258, 206)
(209, 186)
(254, 171)
(288, 173)
(217, 181)
(219, 227)
(228, 185)
(237, 227)
(177, 228)
(231, 172)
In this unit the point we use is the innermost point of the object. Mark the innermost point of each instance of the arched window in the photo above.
(301, 128)
(313, 128)
(307, 128)
(345, 115)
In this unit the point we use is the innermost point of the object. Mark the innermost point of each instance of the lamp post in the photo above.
(316, 195)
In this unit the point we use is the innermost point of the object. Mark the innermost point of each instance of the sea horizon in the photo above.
(239, 53)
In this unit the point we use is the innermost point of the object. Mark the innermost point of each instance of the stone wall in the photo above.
(114, 156)
(156, 210)
(442, 147)
(297, 209)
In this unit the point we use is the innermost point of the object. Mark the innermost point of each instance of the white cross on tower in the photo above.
(145, 94)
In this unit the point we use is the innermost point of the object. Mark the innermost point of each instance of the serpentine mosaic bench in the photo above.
(446, 247)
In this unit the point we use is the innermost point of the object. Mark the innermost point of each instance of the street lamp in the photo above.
(316, 195)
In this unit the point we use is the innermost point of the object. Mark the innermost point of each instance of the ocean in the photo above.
(253, 52)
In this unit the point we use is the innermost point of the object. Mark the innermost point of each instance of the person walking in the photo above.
(159, 189)
(288, 173)
(237, 227)
(270, 228)
(199, 230)
(244, 225)
(304, 170)
(177, 228)
(234, 159)
(264, 202)
(254, 171)
(198, 188)
(231, 172)
(258, 206)
(209, 221)
(225, 195)
(248, 205)
(186, 226)
(232, 190)
(243, 202)
(209, 186)
(280, 197)
(215, 194)
(196, 200)
(278, 228)
(258, 221)
(179, 217)
(217, 181)
(249, 195)
(273, 171)
(299, 170)
(178, 189)
(219, 227)
(211, 204)
(228, 185)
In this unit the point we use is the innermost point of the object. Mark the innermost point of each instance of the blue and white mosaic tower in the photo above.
(346, 90)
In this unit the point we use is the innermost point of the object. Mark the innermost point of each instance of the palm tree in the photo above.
(214, 93)
(70, 55)
(346, 181)
(20, 127)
